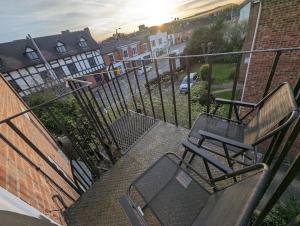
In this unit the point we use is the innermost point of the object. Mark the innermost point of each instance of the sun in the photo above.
(156, 12)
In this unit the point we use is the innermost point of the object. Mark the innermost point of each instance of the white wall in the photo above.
(9, 202)
(159, 46)
(245, 12)
(34, 76)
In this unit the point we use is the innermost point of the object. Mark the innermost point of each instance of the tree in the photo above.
(199, 42)
(218, 37)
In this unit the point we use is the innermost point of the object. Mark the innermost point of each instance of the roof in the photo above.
(112, 46)
(12, 54)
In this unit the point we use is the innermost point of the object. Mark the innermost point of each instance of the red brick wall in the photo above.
(17, 175)
(279, 27)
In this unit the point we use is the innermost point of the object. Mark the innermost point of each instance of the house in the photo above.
(272, 24)
(29, 64)
(32, 183)
(114, 51)
(159, 43)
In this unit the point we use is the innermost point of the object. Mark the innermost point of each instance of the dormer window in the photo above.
(31, 54)
(60, 47)
(82, 43)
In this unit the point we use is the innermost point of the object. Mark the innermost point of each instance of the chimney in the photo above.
(87, 30)
(65, 32)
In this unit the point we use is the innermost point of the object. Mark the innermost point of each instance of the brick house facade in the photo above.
(23, 174)
(124, 49)
(278, 27)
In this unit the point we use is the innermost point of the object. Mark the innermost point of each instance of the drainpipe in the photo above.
(47, 65)
(252, 46)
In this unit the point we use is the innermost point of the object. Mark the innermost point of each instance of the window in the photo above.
(82, 43)
(92, 62)
(160, 41)
(60, 47)
(145, 47)
(125, 53)
(59, 72)
(72, 68)
(134, 51)
(31, 54)
(111, 57)
(153, 43)
(15, 85)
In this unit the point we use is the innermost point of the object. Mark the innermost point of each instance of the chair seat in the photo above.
(218, 126)
(177, 198)
(173, 195)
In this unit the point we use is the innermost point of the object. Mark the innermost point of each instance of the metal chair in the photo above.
(168, 193)
(272, 114)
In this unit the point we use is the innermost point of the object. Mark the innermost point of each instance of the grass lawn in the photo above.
(220, 72)
(227, 94)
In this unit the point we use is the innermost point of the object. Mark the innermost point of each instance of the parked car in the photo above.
(141, 69)
(183, 88)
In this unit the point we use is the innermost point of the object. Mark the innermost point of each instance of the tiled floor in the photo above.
(100, 205)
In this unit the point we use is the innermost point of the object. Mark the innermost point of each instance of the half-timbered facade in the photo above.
(29, 64)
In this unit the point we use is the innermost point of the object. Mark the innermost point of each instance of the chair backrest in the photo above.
(234, 205)
(271, 110)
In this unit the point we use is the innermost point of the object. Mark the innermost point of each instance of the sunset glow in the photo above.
(102, 17)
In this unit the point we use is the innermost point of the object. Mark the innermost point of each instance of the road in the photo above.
(163, 66)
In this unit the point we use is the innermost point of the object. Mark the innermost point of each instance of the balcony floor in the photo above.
(100, 205)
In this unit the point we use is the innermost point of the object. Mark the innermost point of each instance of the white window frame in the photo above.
(60, 47)
(82, 43)
(31, 54)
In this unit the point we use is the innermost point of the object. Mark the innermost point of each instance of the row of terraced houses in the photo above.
(31, 64)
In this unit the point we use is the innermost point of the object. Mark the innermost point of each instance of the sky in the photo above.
(45, 17)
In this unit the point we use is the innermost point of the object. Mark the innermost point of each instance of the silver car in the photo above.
(183, 88)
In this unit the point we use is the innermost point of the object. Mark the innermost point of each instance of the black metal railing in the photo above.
(106, 127)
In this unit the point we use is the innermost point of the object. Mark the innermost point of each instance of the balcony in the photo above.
(124, 125)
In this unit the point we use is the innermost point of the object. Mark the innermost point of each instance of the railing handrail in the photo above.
(47, 102)
(215, 54)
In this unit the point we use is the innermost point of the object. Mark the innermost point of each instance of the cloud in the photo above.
(44, 17)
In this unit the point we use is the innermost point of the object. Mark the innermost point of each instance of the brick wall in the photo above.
(20, 177)
(279, 27)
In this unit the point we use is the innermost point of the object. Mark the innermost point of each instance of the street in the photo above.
(163, 66)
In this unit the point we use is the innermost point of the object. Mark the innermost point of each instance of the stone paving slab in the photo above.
(100, 205)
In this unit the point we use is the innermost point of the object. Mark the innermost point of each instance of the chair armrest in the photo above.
(131, 212)
(203, 153)
(235, 102)
(225, 140)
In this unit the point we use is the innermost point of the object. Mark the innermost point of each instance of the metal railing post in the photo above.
(148, 88)
(130, 87)
(103, 104)
(173, 90)
(188, 72)
(105, 121)
(113, 97)
(116, 90)
(209, 79)
(159, 89)
(287, 180)
(121, 92)
(92, 123)
(138, 85)
(108, 100)
(234, 86)
(272, 73)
